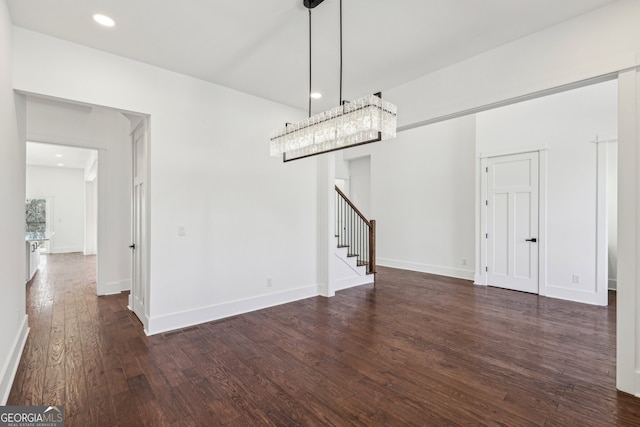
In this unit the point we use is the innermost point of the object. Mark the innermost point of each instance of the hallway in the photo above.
(417, 349)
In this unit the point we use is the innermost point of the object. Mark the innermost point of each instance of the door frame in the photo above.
(514, 282)
(480, 277)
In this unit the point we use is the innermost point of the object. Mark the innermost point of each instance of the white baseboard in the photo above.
(576, 295)
(8, 373)
(613, 284)
(66, 250)
(210, 313)
(114, 287)
(426, 268)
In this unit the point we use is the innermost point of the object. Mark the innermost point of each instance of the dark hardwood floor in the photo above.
(417, 349)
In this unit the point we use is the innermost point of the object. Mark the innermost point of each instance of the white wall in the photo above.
(248, 217)
(107, 131)
(360, 184)
(594, 44)
(13, 319)
(342, 171)
(422, 198)
(65, 186)
(567, 124)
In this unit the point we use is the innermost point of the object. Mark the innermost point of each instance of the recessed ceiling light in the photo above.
(104, 20)
(60, 164)
(58, 155)
(316, 95)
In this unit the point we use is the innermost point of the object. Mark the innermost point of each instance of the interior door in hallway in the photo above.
(139, 293)
(512, 222)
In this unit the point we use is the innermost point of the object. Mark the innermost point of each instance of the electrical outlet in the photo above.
(269, 283)
(182, 231)
(576, 279)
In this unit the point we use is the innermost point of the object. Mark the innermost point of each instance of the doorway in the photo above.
(61, 210)
(107, 131)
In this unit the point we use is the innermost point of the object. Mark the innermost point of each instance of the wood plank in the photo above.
(76, 394)
(125, 409)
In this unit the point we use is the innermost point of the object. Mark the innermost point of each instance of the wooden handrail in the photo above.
(356, 210)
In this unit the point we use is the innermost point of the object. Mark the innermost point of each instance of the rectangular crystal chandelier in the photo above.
(358, 122)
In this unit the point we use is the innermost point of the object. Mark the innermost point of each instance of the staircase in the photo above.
(355, 254)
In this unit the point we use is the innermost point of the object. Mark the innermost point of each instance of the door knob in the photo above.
(132, 246)
(533, 240)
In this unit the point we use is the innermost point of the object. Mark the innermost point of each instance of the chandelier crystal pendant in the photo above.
(361, 121)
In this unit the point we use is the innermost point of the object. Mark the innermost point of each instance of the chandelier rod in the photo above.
(310, 63)
(340, 103)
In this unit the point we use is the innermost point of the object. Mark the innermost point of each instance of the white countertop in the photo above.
(37, 237)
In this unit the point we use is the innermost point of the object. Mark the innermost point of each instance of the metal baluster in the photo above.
(340, 231)
(362, 240)
(359, 241)
(352, 232)
(343, 225)
(361, 254)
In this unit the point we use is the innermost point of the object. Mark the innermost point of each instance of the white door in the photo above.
(139, 292)
(512, 222)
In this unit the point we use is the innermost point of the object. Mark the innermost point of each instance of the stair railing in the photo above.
(356, 232)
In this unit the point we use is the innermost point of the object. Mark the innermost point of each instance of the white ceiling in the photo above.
(261, 46)
(55, 155)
